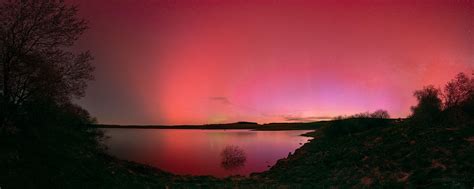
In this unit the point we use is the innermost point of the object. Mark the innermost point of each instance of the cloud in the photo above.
(221, 99)
(306, 119)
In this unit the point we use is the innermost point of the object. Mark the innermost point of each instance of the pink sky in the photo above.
(213, 61)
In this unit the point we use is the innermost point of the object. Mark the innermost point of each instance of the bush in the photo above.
(429, 104)
(380, 114)
(45, 112)
(454, 105)
(357, 123)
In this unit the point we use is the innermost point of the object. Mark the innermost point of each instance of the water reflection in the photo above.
(233, 157)
(203, 152)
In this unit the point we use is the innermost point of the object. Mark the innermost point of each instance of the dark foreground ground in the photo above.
(400, 155)
(396, 154)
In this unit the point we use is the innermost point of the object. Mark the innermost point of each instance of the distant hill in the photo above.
(246, 122)
(237, 125)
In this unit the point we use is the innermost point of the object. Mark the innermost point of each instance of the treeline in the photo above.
(453, 105)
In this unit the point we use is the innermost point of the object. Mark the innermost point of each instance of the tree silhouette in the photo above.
(458, 91)
(458, 98)
(34, 38)
(380, 114)
(429, 103)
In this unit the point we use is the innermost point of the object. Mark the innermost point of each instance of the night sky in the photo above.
(216, 61)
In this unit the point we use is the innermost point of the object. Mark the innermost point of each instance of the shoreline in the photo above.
(218, 178)
(233, 126)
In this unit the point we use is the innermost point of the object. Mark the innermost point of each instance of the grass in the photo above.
(396, 155)
(401, 155)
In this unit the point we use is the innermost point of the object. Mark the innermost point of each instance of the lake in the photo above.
(218, 153)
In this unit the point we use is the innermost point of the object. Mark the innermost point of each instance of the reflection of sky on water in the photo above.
(198, 152)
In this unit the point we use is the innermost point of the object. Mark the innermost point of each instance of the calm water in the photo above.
(204, 152)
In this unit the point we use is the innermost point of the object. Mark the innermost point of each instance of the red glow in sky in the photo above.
(212, 61)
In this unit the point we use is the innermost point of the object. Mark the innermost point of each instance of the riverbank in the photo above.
(73, 157)
(401, 154)
(405, 154)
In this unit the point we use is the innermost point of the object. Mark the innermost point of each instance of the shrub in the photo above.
(429, 104)
(380, 114)
(455, 104)
(46, 112)
(357, 123)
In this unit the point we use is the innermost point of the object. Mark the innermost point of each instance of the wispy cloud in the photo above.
(306, 119)
(221, 99)
(292, 117)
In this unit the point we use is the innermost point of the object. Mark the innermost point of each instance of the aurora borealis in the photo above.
(214, 61)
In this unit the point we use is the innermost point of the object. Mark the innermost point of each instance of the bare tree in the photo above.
(380, 114)
(458, 91)
(34, 39)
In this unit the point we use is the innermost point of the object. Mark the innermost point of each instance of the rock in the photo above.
(367, 181)
(403, 177)
(470, 139)
(436, 164)
(365, 158)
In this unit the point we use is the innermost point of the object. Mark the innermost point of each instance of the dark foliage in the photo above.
(36, 68)
(459, 99)
(458, 91)
(44, 112)
(342, 126)
(455, 104)
(350, 126)
(429, 104)
(380, 114)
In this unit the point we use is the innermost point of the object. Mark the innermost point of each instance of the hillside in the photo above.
(400, 155)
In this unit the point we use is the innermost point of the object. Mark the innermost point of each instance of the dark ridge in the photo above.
(238, 125)
(246, 122)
